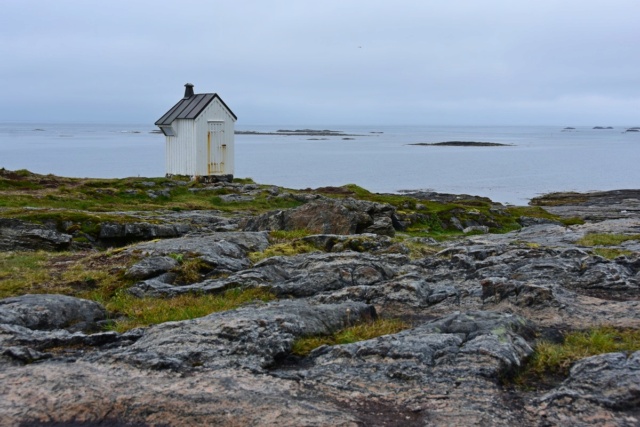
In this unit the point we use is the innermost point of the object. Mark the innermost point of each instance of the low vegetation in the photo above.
(551, 361)
(140, 312)
(538, 212)
(80, 204)
(69, 273)
(360, 332)
(32, 190)
(99, 276)
(601, 242)
(295, 247)
(606, 239)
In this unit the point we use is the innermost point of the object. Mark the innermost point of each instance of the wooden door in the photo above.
(216, 148)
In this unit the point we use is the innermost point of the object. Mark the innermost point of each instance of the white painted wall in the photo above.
(186, 153)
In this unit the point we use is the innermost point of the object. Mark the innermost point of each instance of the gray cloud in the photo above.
(331, 62)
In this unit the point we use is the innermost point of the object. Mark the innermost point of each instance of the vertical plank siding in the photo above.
(192, 151)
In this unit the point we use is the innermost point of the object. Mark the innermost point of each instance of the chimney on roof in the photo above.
(188, 90)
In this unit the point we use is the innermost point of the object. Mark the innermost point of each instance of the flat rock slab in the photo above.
(49, 312)
(252, 337)
(94, 394)
(202, 243)
(604, 389)
(224, 252)
(420, 376)
(595, 206)
(17, 235)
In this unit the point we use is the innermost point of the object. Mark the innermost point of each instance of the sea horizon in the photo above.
(538, 159)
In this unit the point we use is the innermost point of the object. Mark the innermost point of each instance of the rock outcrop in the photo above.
(474, 310)
(329, 216)
(17, 235)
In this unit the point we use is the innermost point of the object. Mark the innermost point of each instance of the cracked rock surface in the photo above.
(475, 309)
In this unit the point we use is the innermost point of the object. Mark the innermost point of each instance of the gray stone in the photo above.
(604, 389)
(48, 312)
(382, 225)
(253, 337)
(229, 198)
(140, 231)
(150, 267)
(223, 252)
(17, 235)
(480, 228)
(527, 221)
(329, 216)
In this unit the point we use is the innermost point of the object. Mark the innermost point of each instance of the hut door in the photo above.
(216, 148)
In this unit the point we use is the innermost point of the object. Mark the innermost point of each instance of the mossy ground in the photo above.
(602, 243)
(99, 276)
(606, 239)
(139, 312)
(551, 362)
(360, 332)
(77, 204)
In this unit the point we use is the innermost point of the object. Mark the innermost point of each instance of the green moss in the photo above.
(611, 253)
(287, 235)
(79, 274)
(601, 239)
(21, 272)
(100, 277)
(559, 199)
(552, 361)
(261, 203)
(360, 332)
(190, 270)
(538, 212)
(149, 311)
(7, 184)
(417, 250)
(244, 181)
(100, 196)
(292, 248)
(67, 221)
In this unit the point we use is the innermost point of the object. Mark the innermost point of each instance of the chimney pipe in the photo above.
(188, 90)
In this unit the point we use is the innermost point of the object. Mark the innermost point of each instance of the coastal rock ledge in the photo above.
(475, 310)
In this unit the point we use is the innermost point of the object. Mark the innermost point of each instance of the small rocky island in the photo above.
(166, 302)
(298, 132)
(462, 144)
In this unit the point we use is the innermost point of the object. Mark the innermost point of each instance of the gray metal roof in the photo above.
(190, 108)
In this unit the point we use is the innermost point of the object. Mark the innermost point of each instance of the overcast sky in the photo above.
(428, 62)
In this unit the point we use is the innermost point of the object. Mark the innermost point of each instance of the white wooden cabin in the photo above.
(199, 133)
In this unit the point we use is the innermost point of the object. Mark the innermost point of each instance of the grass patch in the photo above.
(603, 239)
(611, 253)
(80, 274)
(261, 203)
(560, 199)
(189, 270)
(538, 212)
(243, 180)
(360, 332)
(280, 236)
(21, 189)
(100, 277)
(295, 247)
(151, 311)
(417, 250)
(552, 362)
(23, 273)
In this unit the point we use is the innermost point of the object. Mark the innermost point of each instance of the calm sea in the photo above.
(379, 158)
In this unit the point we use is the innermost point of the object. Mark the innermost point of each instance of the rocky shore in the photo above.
(476, 304)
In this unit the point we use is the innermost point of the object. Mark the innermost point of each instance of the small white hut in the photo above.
(199, 132)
